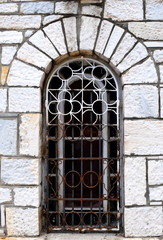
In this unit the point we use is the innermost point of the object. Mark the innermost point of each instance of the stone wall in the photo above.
(34, 36)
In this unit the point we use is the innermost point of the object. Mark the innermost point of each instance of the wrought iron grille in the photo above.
(83, 148)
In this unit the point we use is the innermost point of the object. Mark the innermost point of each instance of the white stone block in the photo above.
(141, 73)
(91, 10)
(138, 53)
(8, 8)
(10, 37)
(154, 10)
(42, 42)
(113, 41)
(155, 172)
(27, 196)
(22, 222)
(8, 139)
(88, 32)
(143, 137)
(124, 47)
(103, 36)
(140, 101)
(22, 171)
(147, 30)
(51, 18)
(3, 100)
(55, 33)
(70, 7)
(37, 7)
(33, 56)
(5, 195)
(156, 193)
(143, 222)
(153, 44)
(70, 30)
(24, 100)
(123, 10)
(158, 56)
(20, 22)
(135, 181)
(161, 99)
(29, 132)
(161, 72)
(8, 54)
(22, 74)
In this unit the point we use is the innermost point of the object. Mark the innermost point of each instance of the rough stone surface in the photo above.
(143, 222)
(154, 44)
(27, 196)
(29, 131)
(113, 41)
(5, 195)
(88, 32)
(154, 10)
(70, 30)
(20, 22)
(124, 10)
(156, 193)
(161, 100)
(31, 55)
(37, 7)
(24, 100)
(28, 33)
(41, 41)
(3, 100)
(8, 8)
(10, 37)
(147, 30)
(158, 56)
(51, 18)
(104, 34)
(141, 73)
(8, 54)
(22, 74)
(135, 187)
(138, 53)
(92, 10)
(22, 222)
(8, 139)
(151, 143)
(140, 101)
(55, 33)
(66, 7)
(155, 172)
(125, 45)
(16, 171)
(161, 72)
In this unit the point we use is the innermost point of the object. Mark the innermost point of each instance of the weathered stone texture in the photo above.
(150, 143)
(138, 53)
(154, 44)
(5, 195)
(141, 73)
(8, 139)
(10, 37)
(155, 172)
(88, 32)
(158, 56)
(27, 196)
(140, 101)
(51, 18)
(143, 222)
(22, 74)
(8, 54)
(135, 181)
(8, 8)
(20, 22)
(24, 100)
(22, 222)
(29, 131)
(31, 55)
(92, 10)
(156, 193)
(16, 171)
(124, 9)
(147, 30)
(161, 100)
(37, 7)
(66, 7)
(154, 10)
(3, 100)
(161, 73)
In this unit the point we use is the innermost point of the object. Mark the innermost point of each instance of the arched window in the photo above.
(82, 107)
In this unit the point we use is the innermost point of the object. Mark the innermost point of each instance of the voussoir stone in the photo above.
(21, 171)
(155, 172)
(22, 222)
(21, 74)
